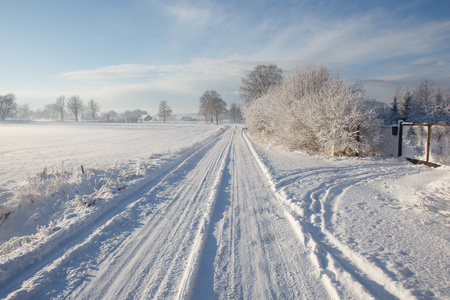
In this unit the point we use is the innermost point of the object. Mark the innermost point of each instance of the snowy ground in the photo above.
(209, 213)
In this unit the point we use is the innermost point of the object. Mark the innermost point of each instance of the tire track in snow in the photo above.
(159, 260)
(343, 271)
(162, 282)
(190, 275)
(249, 254)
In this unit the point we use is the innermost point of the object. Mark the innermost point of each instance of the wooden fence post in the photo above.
(400, 135)
(428, 142)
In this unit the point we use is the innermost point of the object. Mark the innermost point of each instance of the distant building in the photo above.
(187, 119)
(145, 118)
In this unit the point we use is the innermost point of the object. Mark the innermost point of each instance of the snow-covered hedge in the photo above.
(316, 111)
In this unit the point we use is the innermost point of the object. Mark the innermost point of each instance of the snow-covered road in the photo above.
(225, 224)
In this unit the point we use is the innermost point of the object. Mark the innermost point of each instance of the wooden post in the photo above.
(400, 135)
(428, 142)
(82, 169)
(358, 129)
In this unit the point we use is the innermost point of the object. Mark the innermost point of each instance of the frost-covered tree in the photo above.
(92, 108)
(212, 106)
(345, 124)
(446, 107)
(60, 107)
(438, 109)
(164, 111)
(382, 110)
(441, 112)
(315, 111)
(8, 106)
(258, 82)
(75, 105)
(423, 106)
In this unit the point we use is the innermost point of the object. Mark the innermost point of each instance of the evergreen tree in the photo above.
(395, 113)
(405, 107)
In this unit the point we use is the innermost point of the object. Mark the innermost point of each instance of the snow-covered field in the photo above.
(200, 211)
(30, 147)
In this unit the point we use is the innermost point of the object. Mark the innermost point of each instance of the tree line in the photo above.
(60, 109)
(64, 108)
(425, 104)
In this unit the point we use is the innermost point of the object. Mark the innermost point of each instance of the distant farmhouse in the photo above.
(144, 118)
(187, 119)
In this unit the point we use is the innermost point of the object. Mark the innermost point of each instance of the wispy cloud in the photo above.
(376, 46)
(356, 41)
(110, 72)
(187, 13)
(421, 64)
(187, 19)
(178, 80)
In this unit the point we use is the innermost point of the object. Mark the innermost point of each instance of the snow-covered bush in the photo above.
(315, 111)
(44, 184)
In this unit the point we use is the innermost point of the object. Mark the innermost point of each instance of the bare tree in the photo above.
(212, 106)
(93, 108)
(164, 111)
(48, 112)
(109, 116)
(258, 82)
(8, 106)
(60, 107)
(235, 113)
(204, 109)
(24, 112)
(75, 105)
(132, 116)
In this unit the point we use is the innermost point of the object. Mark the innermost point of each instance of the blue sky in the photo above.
(133, 54)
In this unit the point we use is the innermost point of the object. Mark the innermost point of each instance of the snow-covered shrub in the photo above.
(44, 184)
(315, 111)
(262, 116)
(344, 124)
(15, 243)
